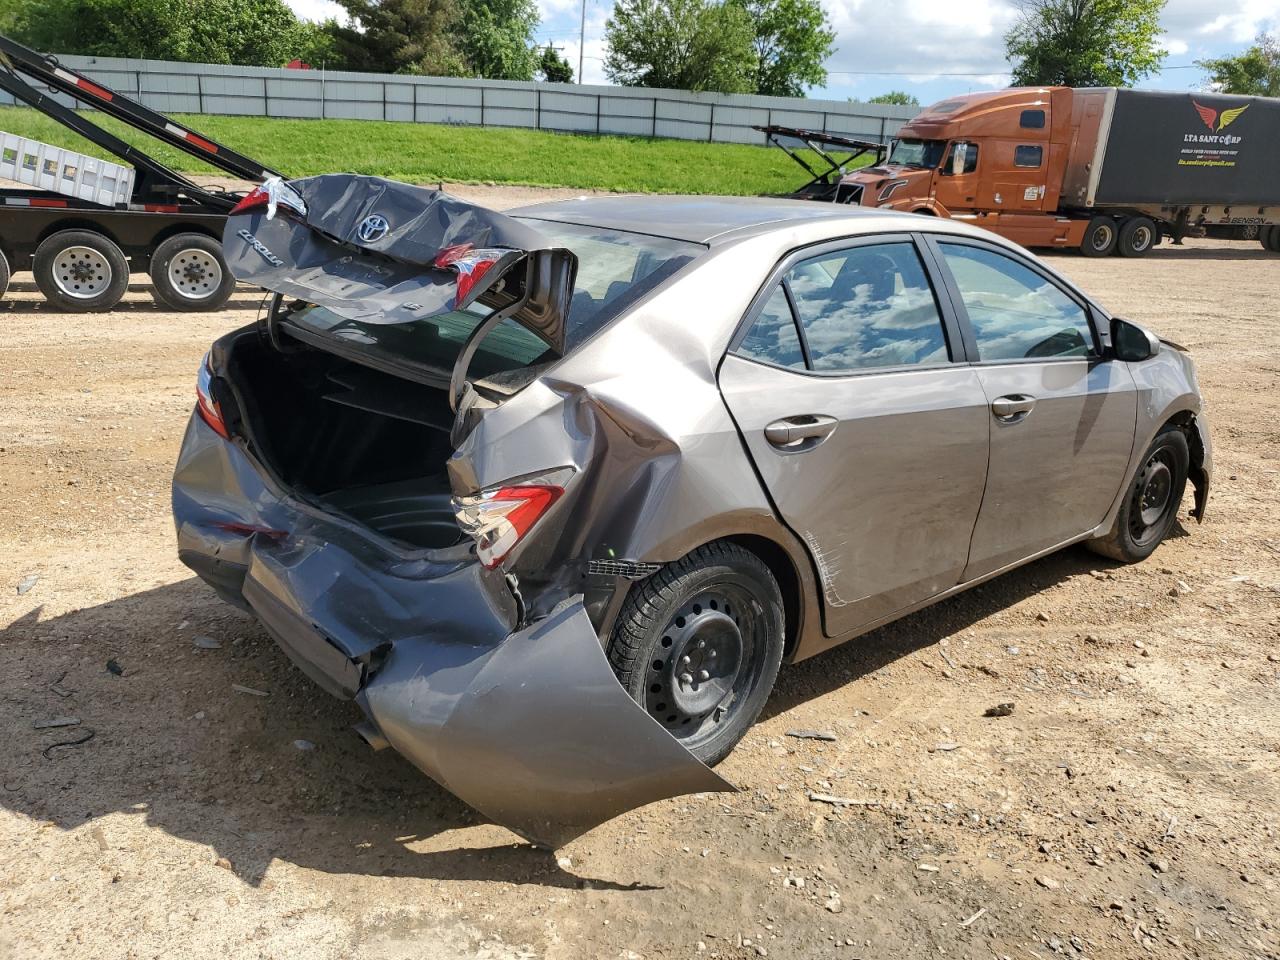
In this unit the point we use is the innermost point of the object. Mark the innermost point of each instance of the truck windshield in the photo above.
(917, 153)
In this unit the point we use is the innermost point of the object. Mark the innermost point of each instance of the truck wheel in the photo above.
(80, 271)
(4, 274)
(1099, 237)
(1272, 239)
(188, 273)
(1137, 236)
(1264, 237)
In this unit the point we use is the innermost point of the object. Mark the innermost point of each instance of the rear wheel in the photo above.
(80, 271)
(1271, 239)
(188, 273)
(699, 644)
(4, 275)
(1100, 237)
(1151, 503)
(1137, 236)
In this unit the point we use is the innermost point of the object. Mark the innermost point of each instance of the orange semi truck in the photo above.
(1102, 170)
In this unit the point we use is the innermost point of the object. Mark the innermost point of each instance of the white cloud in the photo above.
(317, 10)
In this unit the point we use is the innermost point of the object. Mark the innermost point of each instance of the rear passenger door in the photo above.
(848, 385)
(1061, 414)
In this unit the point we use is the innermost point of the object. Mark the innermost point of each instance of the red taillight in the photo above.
(469, 264)
(498, 519)
(257, 197)
(210, 412)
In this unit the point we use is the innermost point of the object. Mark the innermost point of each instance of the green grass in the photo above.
(425, 153)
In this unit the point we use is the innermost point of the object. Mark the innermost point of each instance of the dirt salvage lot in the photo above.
(1129, 807)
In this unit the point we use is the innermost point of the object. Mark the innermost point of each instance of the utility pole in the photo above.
(582, 39)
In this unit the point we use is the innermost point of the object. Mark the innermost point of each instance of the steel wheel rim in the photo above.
(195, 274)
(1102, 237)
(82, 273)
(1152, 497)
(706, 663)
(1141, 238)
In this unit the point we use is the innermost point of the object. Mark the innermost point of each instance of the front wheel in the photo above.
(1151, 503)
(698, 645)
(1100, 237)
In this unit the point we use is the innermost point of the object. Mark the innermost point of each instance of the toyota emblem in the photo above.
(373, 228)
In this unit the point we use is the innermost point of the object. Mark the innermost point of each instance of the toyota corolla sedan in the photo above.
(552, 495)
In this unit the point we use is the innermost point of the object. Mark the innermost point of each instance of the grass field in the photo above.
(424, 153)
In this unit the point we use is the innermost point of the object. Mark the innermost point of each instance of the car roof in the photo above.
(708, 220)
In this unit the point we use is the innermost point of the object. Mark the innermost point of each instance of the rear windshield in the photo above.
(615, 269)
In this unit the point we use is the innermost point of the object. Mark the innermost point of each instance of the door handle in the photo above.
(1012, 408)
(802, 432)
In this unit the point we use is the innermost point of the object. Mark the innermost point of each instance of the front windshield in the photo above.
(917, 153)
(615, 269)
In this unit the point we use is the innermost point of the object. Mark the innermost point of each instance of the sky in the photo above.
(945, 46)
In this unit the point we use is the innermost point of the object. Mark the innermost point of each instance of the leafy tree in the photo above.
(1255, 72)
(553, 67)
(495, 38)
(793, 39)
(1085, 43)
(898, 98)
(250, 32)
(681, 44)
(399, 36)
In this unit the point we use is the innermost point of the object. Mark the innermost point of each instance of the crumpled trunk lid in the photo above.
(380, 251)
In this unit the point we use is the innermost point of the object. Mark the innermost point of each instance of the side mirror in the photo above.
(1132, 343)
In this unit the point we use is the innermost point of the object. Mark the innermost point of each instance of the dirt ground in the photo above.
(1129, 807)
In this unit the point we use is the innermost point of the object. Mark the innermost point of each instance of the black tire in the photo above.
(1271, 240)
(188, 273)
(1138, 235)
(1159, 484)
(720, 607)
(4, 275)
(1100, 237)
(80, 271)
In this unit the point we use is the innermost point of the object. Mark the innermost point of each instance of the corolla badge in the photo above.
(372, 228)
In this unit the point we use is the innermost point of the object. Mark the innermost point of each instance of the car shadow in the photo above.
(841, 665)
(167, 737)
(202, 726)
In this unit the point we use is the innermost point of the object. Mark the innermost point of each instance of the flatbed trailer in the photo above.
(81, 251)
(1100, 170)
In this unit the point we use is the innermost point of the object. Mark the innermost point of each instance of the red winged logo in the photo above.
(1211, 116)
(1207, 114)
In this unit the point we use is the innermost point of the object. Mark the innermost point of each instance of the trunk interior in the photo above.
(353, 440)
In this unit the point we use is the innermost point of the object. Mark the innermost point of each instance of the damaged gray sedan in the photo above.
(552, 495)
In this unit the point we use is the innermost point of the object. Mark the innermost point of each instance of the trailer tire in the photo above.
(4, 275)
(1271, 239)
(1137, 236)
(188, 273)
(1264, 237)
(1100, 237)
(80, 271)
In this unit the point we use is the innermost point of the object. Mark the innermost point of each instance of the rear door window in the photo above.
(1015, 313)
(868, 306)
(773, 337)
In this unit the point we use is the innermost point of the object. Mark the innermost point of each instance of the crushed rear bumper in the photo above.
(524, 721)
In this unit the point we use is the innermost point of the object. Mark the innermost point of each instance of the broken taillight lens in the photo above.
(210, 412)
(499, 518)
(272, 194)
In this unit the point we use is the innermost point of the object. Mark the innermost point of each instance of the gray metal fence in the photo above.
(268, 92)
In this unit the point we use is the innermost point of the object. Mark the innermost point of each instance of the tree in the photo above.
(399, 36)
(897, 98)
(1085, 43)
(249, 32)
(553, 67)
(1255, 72)
(793, 39)
(495, 38)
(681, 44)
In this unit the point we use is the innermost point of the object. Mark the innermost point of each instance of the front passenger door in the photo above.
(870, 439)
